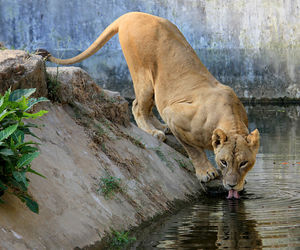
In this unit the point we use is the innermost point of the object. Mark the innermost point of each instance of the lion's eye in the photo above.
(243, 164)
(224, 163)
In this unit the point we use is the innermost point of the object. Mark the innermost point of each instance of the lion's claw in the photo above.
(210, 174)
(167, 130)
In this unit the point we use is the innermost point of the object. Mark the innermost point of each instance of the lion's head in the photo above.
(235, 155)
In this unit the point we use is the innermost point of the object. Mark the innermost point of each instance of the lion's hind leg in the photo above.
(142, 112)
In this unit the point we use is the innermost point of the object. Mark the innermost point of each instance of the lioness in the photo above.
(201, 112)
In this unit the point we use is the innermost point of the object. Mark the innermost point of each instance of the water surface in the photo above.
(268, 214)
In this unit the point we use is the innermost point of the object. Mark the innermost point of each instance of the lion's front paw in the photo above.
(207, 175)
(159, 135)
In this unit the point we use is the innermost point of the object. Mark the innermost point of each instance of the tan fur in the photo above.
(166, 71)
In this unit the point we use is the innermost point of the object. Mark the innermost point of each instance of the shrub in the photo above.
(119, 240)
(109, 186)
(16, 154)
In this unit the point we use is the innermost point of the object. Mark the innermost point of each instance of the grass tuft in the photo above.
(120, 240)
(109, 186)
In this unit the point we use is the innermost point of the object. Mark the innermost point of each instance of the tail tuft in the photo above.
(42, 52)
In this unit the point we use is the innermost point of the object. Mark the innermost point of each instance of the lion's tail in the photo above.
(106, 35)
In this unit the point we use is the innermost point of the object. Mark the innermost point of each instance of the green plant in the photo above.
(103, 148)
(112, 99)
(120, 240)
(109, 185)
(181, 163)
(162, 157)
(185, 164)
(16, 154)
(2, 47)
(53, 86)
(106, 122)
(137, 142)
(100, 131)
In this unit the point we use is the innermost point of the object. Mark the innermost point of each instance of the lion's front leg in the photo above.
(205, 171)
(179, 117)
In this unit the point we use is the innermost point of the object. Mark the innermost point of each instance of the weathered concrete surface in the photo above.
(251, 45)
(73, 212)
(19, 69)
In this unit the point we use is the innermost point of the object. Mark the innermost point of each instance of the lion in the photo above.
(201, 112)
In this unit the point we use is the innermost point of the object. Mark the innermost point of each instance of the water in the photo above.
(267, 216)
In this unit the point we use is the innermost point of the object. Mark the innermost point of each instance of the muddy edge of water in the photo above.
(145, 228)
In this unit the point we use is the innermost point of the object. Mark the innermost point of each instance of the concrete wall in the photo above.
(253, 46)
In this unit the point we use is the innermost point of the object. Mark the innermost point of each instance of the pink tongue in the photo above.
(233, 193)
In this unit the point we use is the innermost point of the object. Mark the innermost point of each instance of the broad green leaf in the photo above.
(34, 101)
(5, 101)
(27, 131)
(26, 159)
(18, 136)
(7, 132)
(16, 154)
(7, 93)
(6, 152)
(31, 204)
(18, 94)
(5, 113)
(35, 115)
(30, 125)
(18, 185)
(1, 100)
(28, 149)
(11, 143)
(20, 177)
(19, 105)
(8, 122)
(21, 145)
(22, 103)
(35, 172)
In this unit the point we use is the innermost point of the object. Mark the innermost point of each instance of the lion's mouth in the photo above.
(233, 194)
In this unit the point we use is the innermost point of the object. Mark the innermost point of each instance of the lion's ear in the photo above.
(218, 138)
(253, 139)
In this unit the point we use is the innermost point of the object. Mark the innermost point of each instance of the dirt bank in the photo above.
(86, 137)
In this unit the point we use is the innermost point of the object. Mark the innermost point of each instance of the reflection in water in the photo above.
(223, 225)
(237, 231)
(267, 216)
